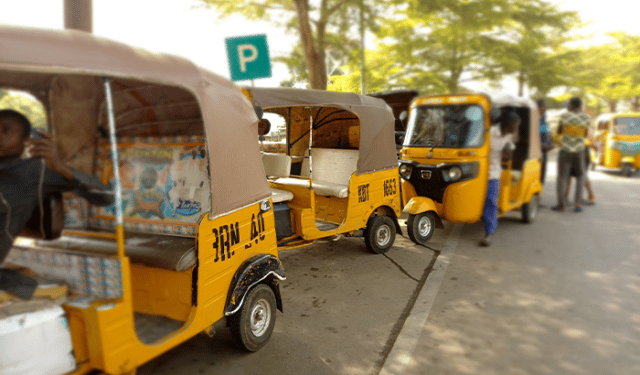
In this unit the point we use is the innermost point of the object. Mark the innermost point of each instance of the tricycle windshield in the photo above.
(627, 125)
(446, 126)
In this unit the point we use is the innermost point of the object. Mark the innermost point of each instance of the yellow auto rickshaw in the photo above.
(190, 244)
(338, 174)
(621, 142)
(444, 162)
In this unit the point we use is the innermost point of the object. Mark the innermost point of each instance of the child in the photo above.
(501, 147)
(24, 182)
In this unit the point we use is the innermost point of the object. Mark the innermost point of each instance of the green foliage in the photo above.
(610, 73)
(323, 26)
(454, 41)
(25, 104)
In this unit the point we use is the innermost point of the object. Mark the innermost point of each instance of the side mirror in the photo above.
(403, 116)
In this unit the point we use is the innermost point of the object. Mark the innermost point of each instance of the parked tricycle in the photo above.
(445, 161)
(190, 244)
(621, 143)
(339, 172)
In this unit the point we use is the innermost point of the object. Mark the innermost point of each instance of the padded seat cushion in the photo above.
(161, 251)
(278, 196)
(320, 187)
(276, 165)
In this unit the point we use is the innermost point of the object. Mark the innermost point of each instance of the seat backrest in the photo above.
(165, 185)
(334, 165)
(304, 169)
(276, 165)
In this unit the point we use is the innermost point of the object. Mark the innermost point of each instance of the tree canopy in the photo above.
(441, 46)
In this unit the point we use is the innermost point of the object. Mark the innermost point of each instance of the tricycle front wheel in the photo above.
(251, 327)
(421, 227)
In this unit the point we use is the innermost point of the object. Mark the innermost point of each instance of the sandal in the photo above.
(558, 208)
(578, 209)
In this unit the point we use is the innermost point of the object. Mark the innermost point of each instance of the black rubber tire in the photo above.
(626, 170)
(379, 234)
(258, 298)
(530, 209)
(413, 230)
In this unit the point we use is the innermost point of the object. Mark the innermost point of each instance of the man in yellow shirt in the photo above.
(573, 131)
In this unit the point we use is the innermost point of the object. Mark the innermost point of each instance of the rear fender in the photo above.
(534, 188)
(261, 268)
(418, 205)
(388, 211)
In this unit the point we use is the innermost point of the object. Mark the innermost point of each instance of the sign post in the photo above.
(248, 57)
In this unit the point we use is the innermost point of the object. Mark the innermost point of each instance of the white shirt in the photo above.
(498, 143)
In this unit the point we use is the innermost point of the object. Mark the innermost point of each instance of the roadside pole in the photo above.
(78, 15)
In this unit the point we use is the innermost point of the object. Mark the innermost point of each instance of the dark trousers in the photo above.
(543, 166)
(490, 211)
(566, 162)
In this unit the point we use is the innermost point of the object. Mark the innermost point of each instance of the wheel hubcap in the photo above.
(260, 318)
(383, 236)
(424, 226)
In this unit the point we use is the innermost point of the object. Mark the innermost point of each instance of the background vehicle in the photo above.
(190, 244)
(445, 161)
(399, 101)
(621, 142)
(339, 172)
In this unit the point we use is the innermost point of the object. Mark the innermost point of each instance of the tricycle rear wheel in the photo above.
(251, 327)
(379, 234)
(626, 169)
(530, 209)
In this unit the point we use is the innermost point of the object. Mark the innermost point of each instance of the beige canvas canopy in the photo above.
(377, 137)
(533, 121)
(154, 95)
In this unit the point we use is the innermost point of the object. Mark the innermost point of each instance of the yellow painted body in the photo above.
(367, 193)
(463, 202)
(103, 332)
(516, 192)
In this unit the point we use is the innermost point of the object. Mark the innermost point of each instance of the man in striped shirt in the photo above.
(573, 130)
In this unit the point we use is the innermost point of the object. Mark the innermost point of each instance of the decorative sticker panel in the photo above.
(165, 184)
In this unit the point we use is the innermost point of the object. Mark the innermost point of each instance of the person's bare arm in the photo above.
(45, 148)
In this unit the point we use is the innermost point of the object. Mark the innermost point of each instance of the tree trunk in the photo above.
(521, 84)
(314, 55)
(635, 104)
(612, 105)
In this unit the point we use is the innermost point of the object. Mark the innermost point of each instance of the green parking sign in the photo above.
(248, 57)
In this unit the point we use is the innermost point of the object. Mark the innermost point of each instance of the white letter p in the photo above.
(245, 59)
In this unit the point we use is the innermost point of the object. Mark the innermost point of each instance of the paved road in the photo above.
(559, 296)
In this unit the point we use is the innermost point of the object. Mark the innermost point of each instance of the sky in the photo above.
(185, 28)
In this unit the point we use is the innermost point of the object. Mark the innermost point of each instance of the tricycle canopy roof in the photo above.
(377, 141)
(35, 60)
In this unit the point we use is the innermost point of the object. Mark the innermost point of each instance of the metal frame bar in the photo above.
(116, 168)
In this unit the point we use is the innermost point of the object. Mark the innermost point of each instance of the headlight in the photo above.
(405, 171)
(455, 173)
